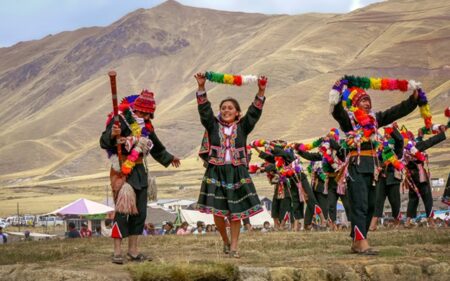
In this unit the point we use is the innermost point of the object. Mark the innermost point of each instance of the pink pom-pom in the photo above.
(393, 84)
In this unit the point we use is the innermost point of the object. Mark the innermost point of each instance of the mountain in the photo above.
(56, 93)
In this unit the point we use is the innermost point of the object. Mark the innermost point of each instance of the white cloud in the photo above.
(356, 4)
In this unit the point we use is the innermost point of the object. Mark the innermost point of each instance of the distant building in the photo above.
(437, 182)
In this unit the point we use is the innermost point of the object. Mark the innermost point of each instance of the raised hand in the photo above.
(201, 80)
(262, 84)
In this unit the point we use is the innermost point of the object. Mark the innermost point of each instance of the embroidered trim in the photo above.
(226, 213)
(225, 198)
(202, 99)
(258, 103)
(227, 185)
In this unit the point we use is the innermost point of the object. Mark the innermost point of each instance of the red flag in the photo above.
(287, 217)
(358, 235)
(115, 233)
(317, 210)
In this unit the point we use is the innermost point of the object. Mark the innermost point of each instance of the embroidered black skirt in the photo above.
(228, 191)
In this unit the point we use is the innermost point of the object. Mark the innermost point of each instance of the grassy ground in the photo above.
(196, 258)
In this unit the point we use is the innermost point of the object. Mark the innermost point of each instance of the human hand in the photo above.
(176, 162)
(201, 80)
(115, 131)
(262, 84)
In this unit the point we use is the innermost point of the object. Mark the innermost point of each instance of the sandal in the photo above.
(226, 248)
(117, 259)
(234, 254)
(138, 258)
(367, 252)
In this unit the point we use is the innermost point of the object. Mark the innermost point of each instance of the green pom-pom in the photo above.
(351, 81)
(365, 82)
(216, 77)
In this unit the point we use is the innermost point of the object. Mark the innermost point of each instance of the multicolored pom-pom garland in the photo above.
(138, 142)
(384, 84)
(230, 79)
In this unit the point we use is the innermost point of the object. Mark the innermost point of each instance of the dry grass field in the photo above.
(417, 254)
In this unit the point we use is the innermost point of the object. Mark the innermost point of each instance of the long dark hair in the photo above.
(235, 104)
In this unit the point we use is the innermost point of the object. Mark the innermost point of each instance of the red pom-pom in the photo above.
(402, 85)
(237, 80)
(384, 84)
(447, 112)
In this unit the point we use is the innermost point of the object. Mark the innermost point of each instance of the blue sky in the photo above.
(23, 20)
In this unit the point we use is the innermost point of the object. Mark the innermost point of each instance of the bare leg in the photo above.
(221, 227)
(296, 226)
(276, 223)
(408, 223)
(235, 230)
(117, 248)
(323, 221)
(132, 245)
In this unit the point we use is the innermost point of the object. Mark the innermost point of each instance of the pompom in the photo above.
(333, 97)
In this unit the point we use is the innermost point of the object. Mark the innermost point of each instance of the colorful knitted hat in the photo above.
(359, 96)
(145, 102)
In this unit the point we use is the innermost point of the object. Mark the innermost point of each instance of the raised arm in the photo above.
(311, 156)
(397, 111)
(424, 145)
(341, 116)
(204, 106)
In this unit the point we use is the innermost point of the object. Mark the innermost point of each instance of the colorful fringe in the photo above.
(230, 79)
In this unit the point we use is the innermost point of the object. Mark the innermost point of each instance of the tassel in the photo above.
(126, 200)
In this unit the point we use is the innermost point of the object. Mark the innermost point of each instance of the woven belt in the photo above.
(369, 152)
(138, 161)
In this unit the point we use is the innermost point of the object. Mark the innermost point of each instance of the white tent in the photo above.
(83, 207)
(193, 216)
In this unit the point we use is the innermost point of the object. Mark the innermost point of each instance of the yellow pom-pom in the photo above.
(375, 83)
(228, 79)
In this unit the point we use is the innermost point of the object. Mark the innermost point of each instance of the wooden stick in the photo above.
(112, 79)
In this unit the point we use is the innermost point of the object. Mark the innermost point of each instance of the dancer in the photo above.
(331, 156)
(360, 124)
(388, 184)
(227, 190)
(286, 204)
(136, 137)
(417, 178)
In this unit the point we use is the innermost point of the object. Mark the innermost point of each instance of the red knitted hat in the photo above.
(360, 95)
(145, 102)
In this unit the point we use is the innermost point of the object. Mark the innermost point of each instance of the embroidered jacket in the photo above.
(383, 118)
(138, 177)
(217, 142)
